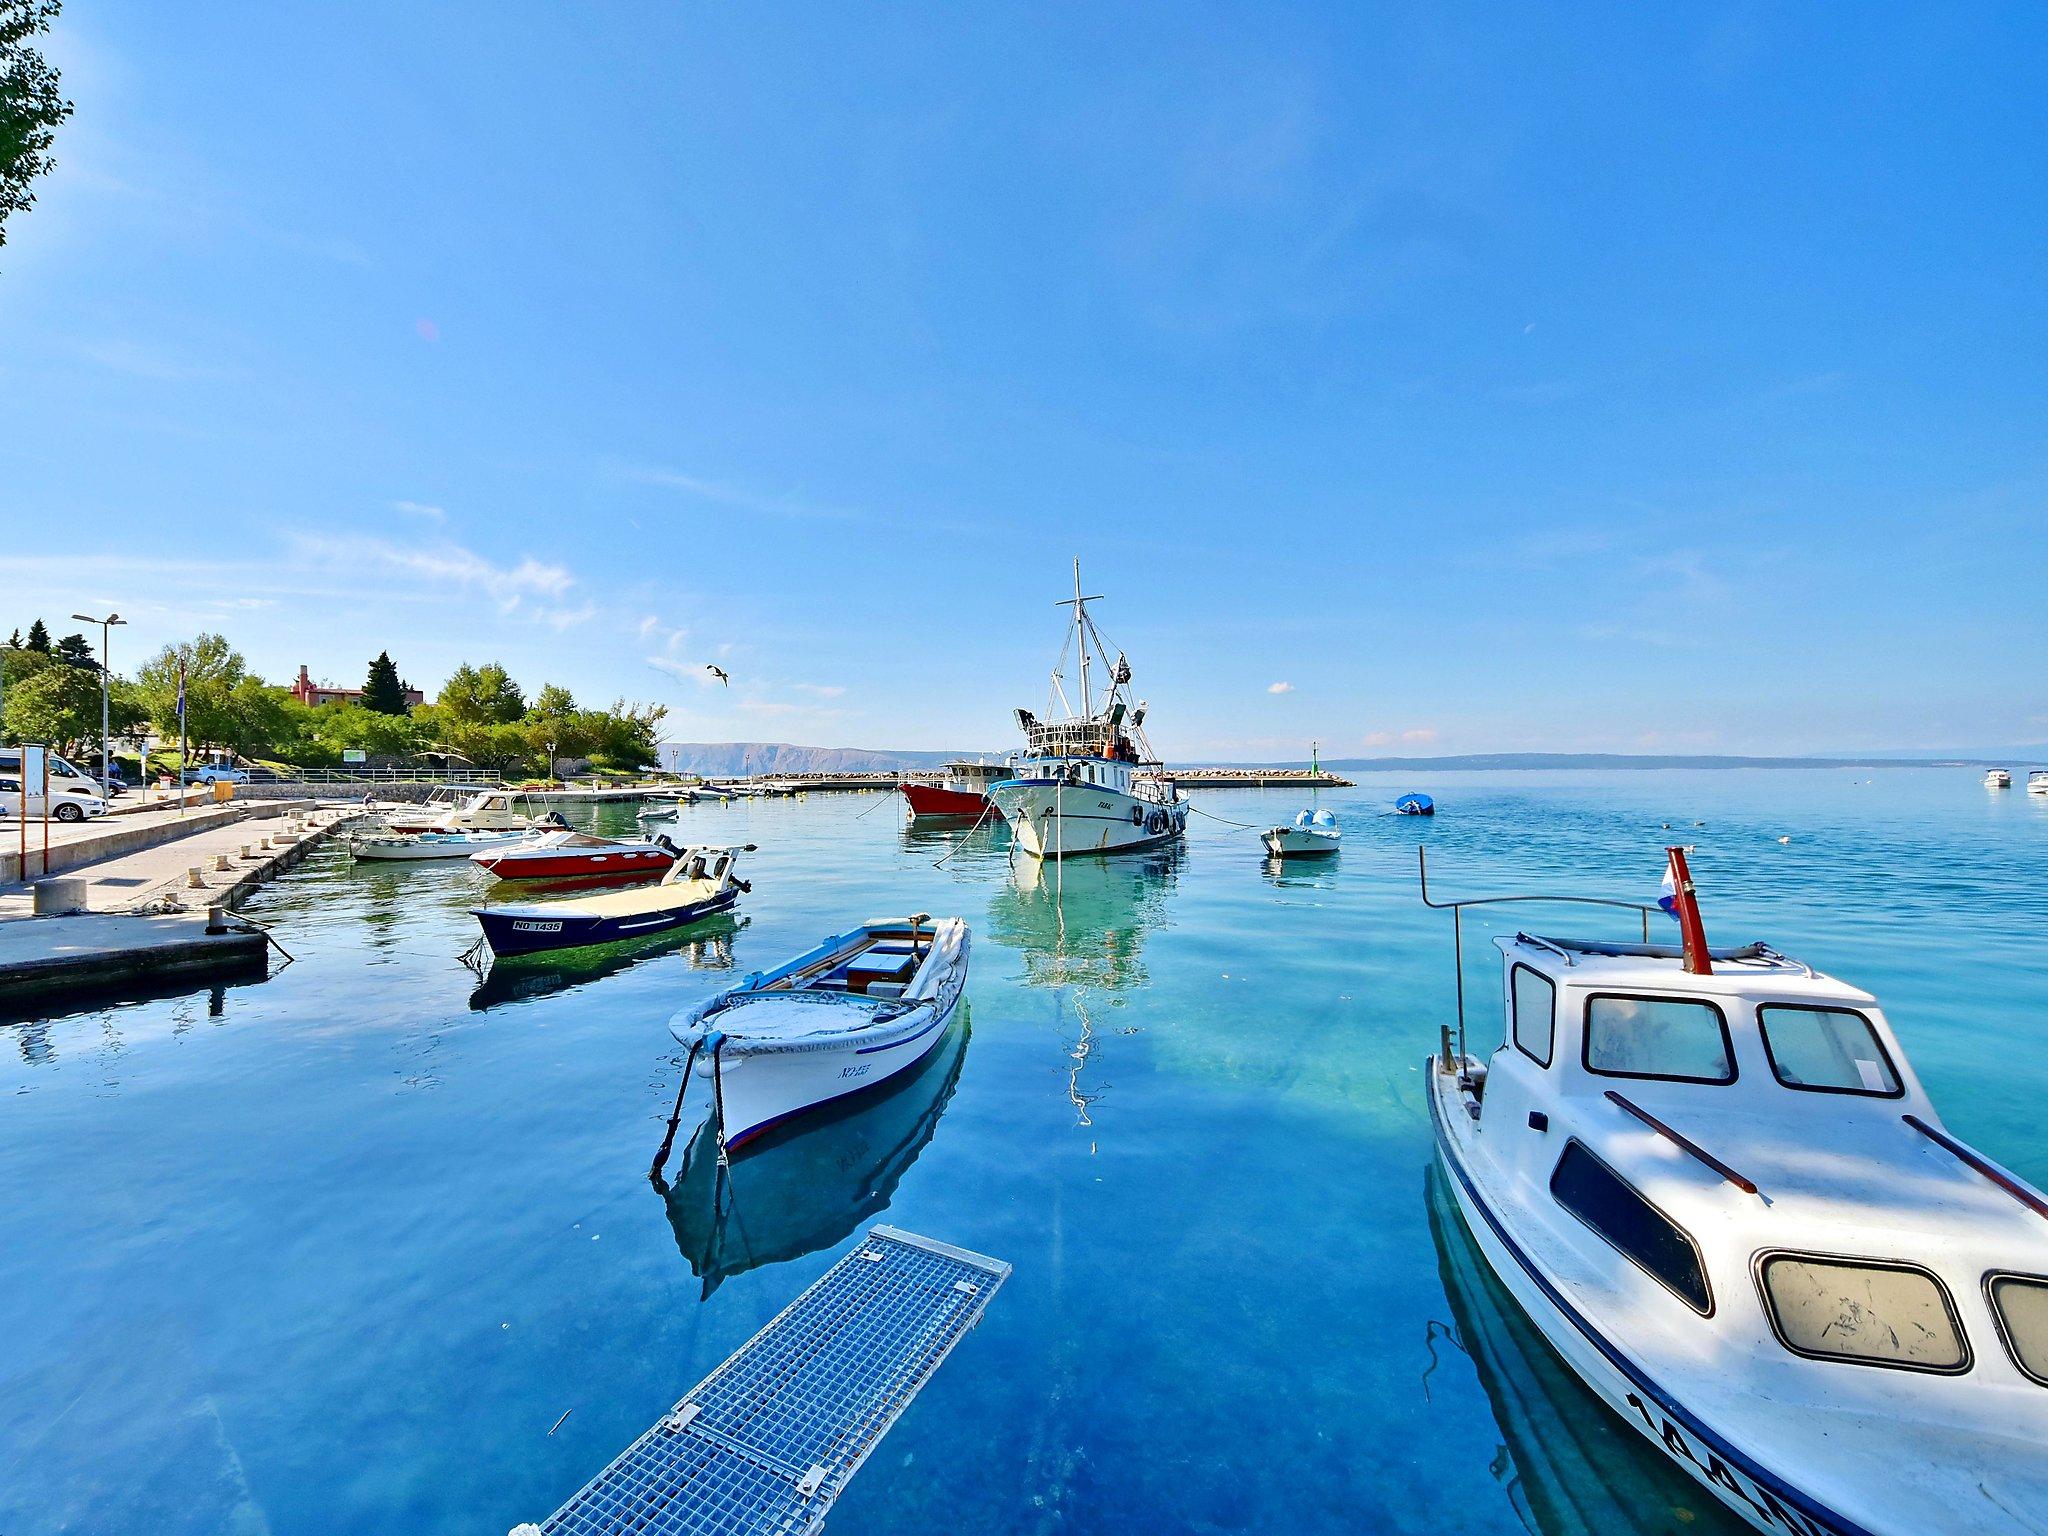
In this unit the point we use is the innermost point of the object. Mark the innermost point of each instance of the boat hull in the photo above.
(533, 930)
(1754, 1493)
(936, 800)
(407, 850)
(1064, 821)
(573, 864)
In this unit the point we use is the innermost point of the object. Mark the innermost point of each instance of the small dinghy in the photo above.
(845, 1016)
(665, 811)
(1314, 834)
(1415, 805)
(572, 855)
(392, 848)
(1712, 1181)
(700, 882)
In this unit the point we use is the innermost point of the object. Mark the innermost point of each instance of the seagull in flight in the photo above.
(719, 673)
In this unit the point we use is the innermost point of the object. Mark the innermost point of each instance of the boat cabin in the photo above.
(1753, 1142)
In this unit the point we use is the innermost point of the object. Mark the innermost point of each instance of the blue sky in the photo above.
(1419, 378)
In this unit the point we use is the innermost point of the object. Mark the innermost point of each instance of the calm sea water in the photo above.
(335, 1250)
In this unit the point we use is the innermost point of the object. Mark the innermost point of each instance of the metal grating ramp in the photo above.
(767, 1442)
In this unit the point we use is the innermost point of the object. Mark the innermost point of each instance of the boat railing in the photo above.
(1457, 911)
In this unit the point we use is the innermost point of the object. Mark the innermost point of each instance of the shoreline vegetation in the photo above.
(480, 718)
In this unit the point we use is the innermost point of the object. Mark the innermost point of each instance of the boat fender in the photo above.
(1137, 815)
(1156, 823)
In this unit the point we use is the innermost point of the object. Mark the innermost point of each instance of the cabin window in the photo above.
(1678, 1039)
(1649, 1239)
(1826, 1050)
(1535, 1004)
(1862, 1312)
(2020, 1303)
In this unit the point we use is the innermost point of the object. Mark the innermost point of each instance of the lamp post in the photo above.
(106, 671)
(551, 765)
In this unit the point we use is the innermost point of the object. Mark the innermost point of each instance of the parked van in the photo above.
(71, 788)
(68, 807)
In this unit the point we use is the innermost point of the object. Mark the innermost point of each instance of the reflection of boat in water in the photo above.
(705, 947)
(805, 1186)
(1084, 922)
(1569, 1467)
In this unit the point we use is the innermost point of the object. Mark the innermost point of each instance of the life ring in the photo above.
(1156, 823)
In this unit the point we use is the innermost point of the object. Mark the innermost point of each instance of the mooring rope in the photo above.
(987, 805)
(1245, 826)
(675, 1118)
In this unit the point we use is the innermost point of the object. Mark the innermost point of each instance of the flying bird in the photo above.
(719, 673)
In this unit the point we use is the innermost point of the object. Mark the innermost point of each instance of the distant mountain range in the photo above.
(733, 758)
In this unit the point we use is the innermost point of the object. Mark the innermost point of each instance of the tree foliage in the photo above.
(31, 106)
(75, 650)
(38, 632)
(383, 693)
(60, 705)
(484, 695)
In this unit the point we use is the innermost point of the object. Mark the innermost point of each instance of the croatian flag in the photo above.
(1667, 895)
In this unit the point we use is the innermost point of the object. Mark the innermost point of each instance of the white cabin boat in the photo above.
(1714, 1184)
(1314, 834)
(2037, 782)
(492, 810)
(1088, 783)
(400, 848)
(1998, 778)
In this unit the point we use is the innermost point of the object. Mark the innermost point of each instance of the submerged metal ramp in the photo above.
(765, 1443)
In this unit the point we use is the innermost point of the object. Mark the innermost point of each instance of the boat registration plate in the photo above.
(525, 926)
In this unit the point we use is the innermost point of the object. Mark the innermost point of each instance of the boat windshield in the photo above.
(1677, 1039)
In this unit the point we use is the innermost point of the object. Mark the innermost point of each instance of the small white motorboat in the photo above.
(1712, 1181)
(1998, 778)
(393, 848)
(1314, 834)
(2037, 782)
(845, 1016)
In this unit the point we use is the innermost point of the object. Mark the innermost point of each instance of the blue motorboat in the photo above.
(701, 882)
(1415, 805)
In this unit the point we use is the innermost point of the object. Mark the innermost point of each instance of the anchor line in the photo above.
(668, 1141)
(987, 805)
(1244, 826)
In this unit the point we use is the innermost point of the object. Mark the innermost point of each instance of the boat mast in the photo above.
(1080, 603)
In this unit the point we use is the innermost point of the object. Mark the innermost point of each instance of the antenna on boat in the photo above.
(1685, 906)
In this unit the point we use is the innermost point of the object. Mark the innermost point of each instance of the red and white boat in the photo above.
(963, 792)
(571, 855)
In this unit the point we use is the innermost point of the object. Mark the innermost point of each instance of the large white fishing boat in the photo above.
(1714, 1184)
(1088, 782)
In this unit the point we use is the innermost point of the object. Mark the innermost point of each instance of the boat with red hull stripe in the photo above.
(570, 855)
(960, 793)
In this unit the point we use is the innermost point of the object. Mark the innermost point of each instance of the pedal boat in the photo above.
(1314, 834)
(700, 883)
(572, 855)
(395, 848)
(1715, 1186)
(846, 1016)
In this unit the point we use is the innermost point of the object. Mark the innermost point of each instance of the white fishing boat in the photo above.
(1088, 782)
(1998, 778)
(441, 800)
(1314, 833)
(421, 846)
(845, 1016)
(493, 810)
(1715, 1186)
(2037, 782)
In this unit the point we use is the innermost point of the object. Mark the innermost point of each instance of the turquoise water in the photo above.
(333, 1251)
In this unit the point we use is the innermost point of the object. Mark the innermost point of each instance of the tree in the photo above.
(61, 706)
(76, 651)
(383, 693)
(38, 635)
(14, 640)
(213, 670)
(484, 695)
(30, 105)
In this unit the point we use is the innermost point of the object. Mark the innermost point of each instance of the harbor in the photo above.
(1153, 1050)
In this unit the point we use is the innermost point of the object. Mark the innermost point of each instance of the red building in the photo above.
(306, 691)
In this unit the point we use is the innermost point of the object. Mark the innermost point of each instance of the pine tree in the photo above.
(76, 651)
(382, 691)
(39, 637)
(14, 640)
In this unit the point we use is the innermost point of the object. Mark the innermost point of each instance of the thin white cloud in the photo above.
(421, 509)
(818, 690)
(1280, 688)
(741, 498)
(446, 564)
(1414, 736)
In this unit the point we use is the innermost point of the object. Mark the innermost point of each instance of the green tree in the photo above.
(61, 706)
(31, 106)
(213, 670)
(76, 651)
(38, 635)
(383, 693)
(484, 695)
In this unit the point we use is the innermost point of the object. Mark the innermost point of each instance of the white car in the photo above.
(68, 807)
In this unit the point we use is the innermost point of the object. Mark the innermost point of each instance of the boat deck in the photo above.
(768, 1441)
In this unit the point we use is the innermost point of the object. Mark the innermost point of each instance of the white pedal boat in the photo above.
(434, 845)
(1713, 1183)
(845, 1016)
(1313, 834)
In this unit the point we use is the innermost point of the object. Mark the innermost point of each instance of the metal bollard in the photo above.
(216, 919)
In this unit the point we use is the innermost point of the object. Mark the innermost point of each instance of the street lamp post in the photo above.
(551, 765)
(106, 672)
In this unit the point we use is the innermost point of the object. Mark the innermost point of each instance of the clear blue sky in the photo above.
(1573, 377)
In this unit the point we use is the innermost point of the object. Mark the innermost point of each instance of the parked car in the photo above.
(66, 807)
(216, 773)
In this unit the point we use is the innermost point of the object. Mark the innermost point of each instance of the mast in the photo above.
(1079, 602)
